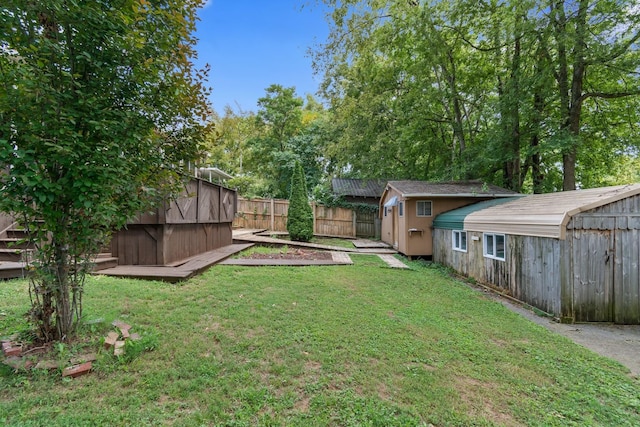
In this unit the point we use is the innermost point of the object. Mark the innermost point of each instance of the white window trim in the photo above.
(453, 240)
(484, 246)
(430, 208)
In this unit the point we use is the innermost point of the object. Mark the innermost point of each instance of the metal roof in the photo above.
(454, 219)
(409, 189)
(358, 187)
(544, 215)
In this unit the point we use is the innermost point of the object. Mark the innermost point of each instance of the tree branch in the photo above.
(608, 95)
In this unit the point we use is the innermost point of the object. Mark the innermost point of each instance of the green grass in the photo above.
(313, 346)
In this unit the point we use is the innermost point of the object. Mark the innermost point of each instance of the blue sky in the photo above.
(251, 44)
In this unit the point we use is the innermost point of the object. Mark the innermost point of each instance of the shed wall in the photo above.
(530, 271)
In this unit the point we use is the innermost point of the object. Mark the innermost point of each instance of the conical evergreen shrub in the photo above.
(300, 219)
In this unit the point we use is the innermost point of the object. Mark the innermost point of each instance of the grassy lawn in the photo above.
(341, 346)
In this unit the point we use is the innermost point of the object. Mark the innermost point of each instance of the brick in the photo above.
(121, 325)
(12, 351)
(135, 337)
(119, 348)
(124, 332)
(110, 339)
(77, 370)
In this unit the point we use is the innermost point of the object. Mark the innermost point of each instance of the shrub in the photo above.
(300, 219)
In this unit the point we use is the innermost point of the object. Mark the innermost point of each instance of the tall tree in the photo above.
(519, 93)
(300, 216)
(98, 100)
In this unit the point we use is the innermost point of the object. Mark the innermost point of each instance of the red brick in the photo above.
(12, 351)
(77, 370)
(124, 332)
(110, 339)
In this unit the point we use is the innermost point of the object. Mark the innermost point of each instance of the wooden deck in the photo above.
(178, 271)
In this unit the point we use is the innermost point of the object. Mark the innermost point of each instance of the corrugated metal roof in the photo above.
(449, 189)
(454, 220)
(544, 215)
(358, 187)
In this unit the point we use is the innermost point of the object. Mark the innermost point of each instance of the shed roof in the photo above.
(476, 188)
(454, 219)
(544, 215)
(358, 187)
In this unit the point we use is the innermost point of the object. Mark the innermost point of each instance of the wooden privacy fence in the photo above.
(271, 214)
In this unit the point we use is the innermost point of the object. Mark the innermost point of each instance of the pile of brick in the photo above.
(19, 358)
(117, 340)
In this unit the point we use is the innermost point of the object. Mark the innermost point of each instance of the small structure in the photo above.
(574, 254)
(407, 209)
(366, 191)
(197, 221)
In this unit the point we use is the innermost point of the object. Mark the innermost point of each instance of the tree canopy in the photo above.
(98, 101)
(533, 95)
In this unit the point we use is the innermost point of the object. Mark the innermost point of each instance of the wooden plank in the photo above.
(627, 277)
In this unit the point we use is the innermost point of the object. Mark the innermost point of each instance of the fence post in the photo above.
(354, 221)
(313, 209)
(273, 219)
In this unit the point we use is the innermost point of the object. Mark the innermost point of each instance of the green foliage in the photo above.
(98, 101)
(300, 216)
(498, 91)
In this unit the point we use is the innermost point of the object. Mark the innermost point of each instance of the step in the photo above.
(13, 243)
(11, 255)
(17, 233)
(104, 262)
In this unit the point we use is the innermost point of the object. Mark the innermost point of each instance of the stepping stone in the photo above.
(392, 261)
(341, 257)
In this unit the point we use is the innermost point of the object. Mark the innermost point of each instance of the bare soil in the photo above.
(294, 253)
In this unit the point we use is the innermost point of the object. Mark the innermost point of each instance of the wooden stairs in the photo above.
(16, 250)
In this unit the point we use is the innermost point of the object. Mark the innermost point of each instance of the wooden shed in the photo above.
(198, 220)
(407, 209)
(573, 254)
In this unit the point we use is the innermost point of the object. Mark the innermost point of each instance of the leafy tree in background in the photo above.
(288, 130)
(98, 99)
(533, 95)
(300, 216)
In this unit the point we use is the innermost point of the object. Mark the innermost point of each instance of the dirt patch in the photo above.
(302, 254)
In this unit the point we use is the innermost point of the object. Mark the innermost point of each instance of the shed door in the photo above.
(627, 270)
(593, 262)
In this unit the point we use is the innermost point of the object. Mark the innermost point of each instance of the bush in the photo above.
(300, 219)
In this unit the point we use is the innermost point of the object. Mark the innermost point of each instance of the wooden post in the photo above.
(273, 214)
(313, 209)
(354, 223)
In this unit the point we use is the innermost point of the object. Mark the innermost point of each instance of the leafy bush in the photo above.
(300, 219)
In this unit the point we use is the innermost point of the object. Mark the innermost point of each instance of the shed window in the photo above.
(423, 208)
(401, 209)
(459, 240)
(494, 246)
